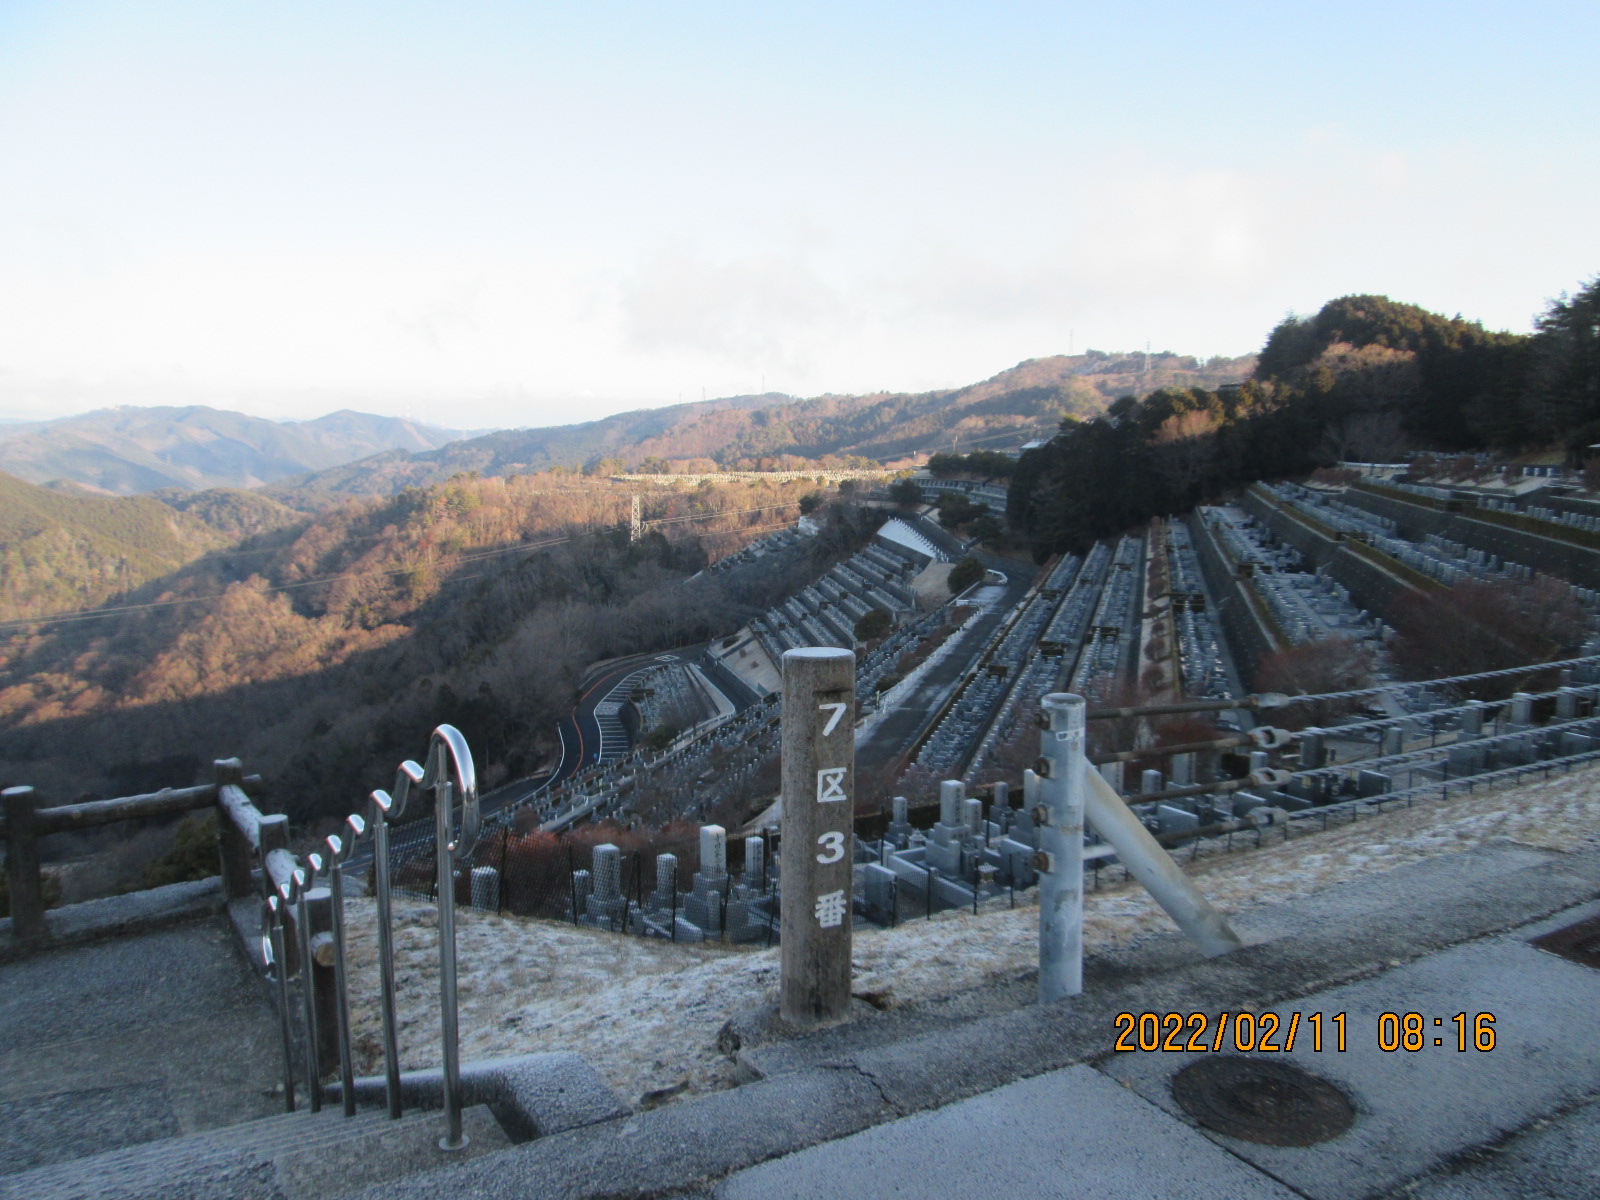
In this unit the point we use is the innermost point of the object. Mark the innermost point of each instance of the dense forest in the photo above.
(323, 652)
(61, 551)
(1364, 379)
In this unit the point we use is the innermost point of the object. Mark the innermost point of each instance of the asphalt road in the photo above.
(580, 729)
(901, 727)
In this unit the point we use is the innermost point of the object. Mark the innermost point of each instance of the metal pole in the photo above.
(308, 995)
(505, 843)
(1061, 847)
(638, 886)
(450, 765)
(572, 886)
(338, 852)
(1142, 857)
(381, 885)
(449, 1025)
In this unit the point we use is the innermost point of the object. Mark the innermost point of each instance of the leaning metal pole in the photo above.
(447, 740)
(1112, 819)
(1061, 770)
(338, 853)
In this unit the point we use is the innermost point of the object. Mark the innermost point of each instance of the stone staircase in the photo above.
(294, 1156)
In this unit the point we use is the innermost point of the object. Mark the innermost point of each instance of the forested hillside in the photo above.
(771, 431)
(324, 652)
(1364, 379)
(123, 451)
(61, 551)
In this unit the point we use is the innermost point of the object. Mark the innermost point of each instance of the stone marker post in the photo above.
(1061, 791)
(818, 863)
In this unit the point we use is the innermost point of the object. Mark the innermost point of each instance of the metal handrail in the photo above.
(289, 884)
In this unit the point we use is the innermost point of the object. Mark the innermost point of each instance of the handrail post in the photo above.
(1060, 787)
(22, 866)
(449, 1024)
(383, 808)
(338, 853)
(449, 768)
(308, 989)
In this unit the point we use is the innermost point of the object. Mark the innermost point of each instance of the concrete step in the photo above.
(294, 1156)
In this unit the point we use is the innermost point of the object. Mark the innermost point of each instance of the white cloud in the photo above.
(768, 311)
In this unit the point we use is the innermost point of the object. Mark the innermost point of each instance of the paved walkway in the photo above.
(129, 1040)
(1114, 1129)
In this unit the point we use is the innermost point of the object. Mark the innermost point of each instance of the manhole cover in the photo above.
(1262, 1100)
(1580, 942)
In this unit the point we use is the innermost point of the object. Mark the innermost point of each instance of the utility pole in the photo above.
(636, 522)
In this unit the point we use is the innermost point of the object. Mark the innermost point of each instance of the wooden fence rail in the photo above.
(24, 823)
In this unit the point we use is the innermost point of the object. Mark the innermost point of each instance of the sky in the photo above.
(506, 214)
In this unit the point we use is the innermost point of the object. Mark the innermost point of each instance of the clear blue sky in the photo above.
(532, 213)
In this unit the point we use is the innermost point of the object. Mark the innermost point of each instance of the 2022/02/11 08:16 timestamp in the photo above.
(1268, 1032)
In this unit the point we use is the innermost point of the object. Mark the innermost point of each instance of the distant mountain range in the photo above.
(123, 451)
(1025, 402)
(129, 450)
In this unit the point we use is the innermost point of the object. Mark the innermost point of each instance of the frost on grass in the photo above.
(645, 1014)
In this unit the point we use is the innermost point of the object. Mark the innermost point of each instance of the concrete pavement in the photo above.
(1424, 1117)
(128, 1040)
(1068, 1133)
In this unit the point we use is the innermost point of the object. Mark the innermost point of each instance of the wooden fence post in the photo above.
(818, 845)
(319, 907)
(233, 848)
(275, 836)
(22, 866)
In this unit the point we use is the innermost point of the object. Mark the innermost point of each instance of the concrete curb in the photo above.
(666, 1150)
(534, 1095)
